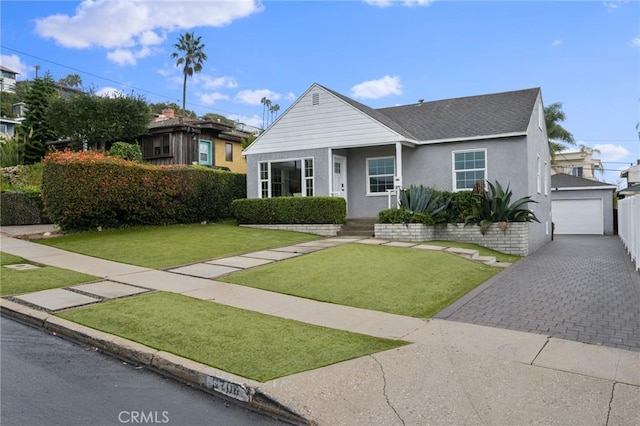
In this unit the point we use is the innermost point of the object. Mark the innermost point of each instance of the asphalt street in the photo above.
(46, 380)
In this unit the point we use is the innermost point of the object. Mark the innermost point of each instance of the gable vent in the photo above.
(315, 99)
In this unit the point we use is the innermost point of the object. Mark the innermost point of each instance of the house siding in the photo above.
(332, 123)
(538, 144)
(238, 165)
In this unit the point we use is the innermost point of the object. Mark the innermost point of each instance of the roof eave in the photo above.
(473, 138)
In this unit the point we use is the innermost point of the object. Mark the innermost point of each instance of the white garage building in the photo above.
(581, 206)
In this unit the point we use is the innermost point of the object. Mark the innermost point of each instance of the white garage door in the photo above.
(577, 216)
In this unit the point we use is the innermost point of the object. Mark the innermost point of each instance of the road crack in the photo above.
(384, 391)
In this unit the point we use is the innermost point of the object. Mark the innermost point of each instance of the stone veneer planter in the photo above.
(325, 230)
(513, 240)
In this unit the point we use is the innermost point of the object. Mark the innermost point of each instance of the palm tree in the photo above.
(263, 101)
(276, 108)
(267, 104)
(553, 116)
(193, 56)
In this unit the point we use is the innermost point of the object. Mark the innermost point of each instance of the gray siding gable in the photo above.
(322, 119)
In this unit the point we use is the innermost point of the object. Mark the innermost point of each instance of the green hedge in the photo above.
(21, 208)
(461, 205)
(290, 210)
(87, 190)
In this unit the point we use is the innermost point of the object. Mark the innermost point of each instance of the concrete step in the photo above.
(487, 260)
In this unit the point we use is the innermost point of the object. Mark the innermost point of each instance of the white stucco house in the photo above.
(331, 145)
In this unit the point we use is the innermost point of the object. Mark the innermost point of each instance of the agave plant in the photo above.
(495, 206)
(420, 199)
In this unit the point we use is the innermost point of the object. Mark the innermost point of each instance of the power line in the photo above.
(115, 81)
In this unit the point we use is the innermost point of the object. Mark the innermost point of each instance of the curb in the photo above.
(195, 374)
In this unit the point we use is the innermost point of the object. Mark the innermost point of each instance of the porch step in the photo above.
(360, 227)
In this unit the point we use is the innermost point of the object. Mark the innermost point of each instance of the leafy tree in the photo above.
(72, 80)
(97, 120)
(246, 141)
(192, 59)
(558, 136)
(215, 117)
(128, 151)
(35, 128)
(161, 106)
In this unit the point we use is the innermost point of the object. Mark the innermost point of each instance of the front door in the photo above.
(339, 177)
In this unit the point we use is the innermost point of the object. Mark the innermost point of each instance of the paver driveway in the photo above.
(580, 288)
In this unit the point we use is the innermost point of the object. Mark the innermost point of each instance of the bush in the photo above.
(128, 151)
(290, 210)
(21, 208)
(406, 216)
(21, 177)
(85, 190)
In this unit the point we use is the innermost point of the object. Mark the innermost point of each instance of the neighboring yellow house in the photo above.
(178, 140)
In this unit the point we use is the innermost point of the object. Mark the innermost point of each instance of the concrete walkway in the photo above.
(452, 373)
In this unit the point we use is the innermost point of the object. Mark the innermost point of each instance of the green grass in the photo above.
(411, 282)
(484, 251)
(165, 246)
(246, 343)
(44, 278)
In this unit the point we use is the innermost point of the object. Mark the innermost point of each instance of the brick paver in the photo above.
(580, 288)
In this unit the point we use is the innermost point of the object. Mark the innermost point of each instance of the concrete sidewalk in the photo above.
(452, 373)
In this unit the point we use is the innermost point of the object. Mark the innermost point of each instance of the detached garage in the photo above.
(581, 206)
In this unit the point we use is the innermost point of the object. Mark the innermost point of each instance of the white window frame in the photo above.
(368, 186)
(454, 179)
(304, 179)
(547, 172)
(538, 174)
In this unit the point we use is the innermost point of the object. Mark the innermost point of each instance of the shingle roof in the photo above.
(467, 117)
(563, 180)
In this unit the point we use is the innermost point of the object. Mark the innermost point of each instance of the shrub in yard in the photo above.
(290, 210)
(128, 151)
(87, 189)
(495, 206)
(21, 207)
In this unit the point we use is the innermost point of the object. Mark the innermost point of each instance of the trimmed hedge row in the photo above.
(84, 190)
(290, 210)
(21, 208)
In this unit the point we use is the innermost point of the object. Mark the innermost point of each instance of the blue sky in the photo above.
(585, 54)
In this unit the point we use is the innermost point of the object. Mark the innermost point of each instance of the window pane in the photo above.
(228, 152)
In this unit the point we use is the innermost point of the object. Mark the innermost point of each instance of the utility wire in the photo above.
(129, 86)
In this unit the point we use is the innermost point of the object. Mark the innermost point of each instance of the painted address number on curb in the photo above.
(233, 390)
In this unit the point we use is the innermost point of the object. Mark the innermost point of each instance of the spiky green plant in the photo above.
(495, 205)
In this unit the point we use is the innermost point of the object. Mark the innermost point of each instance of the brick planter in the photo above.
(513, 240)
(325, 230)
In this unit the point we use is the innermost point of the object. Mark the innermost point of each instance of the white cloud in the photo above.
(556, 42)
(122, 57)
(254, 120)
(109, 92)
(610, 152)
(387, 3)
(121, 24)
(613, 4)
(374, 89)
(290, 96)
(14, 63)
(253, 97)
(212, 98)
(635, 42)
(210, 82)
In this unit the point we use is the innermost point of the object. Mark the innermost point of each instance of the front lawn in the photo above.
(30, 280)
(253, 345)
(165, 246)
(403, 281)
